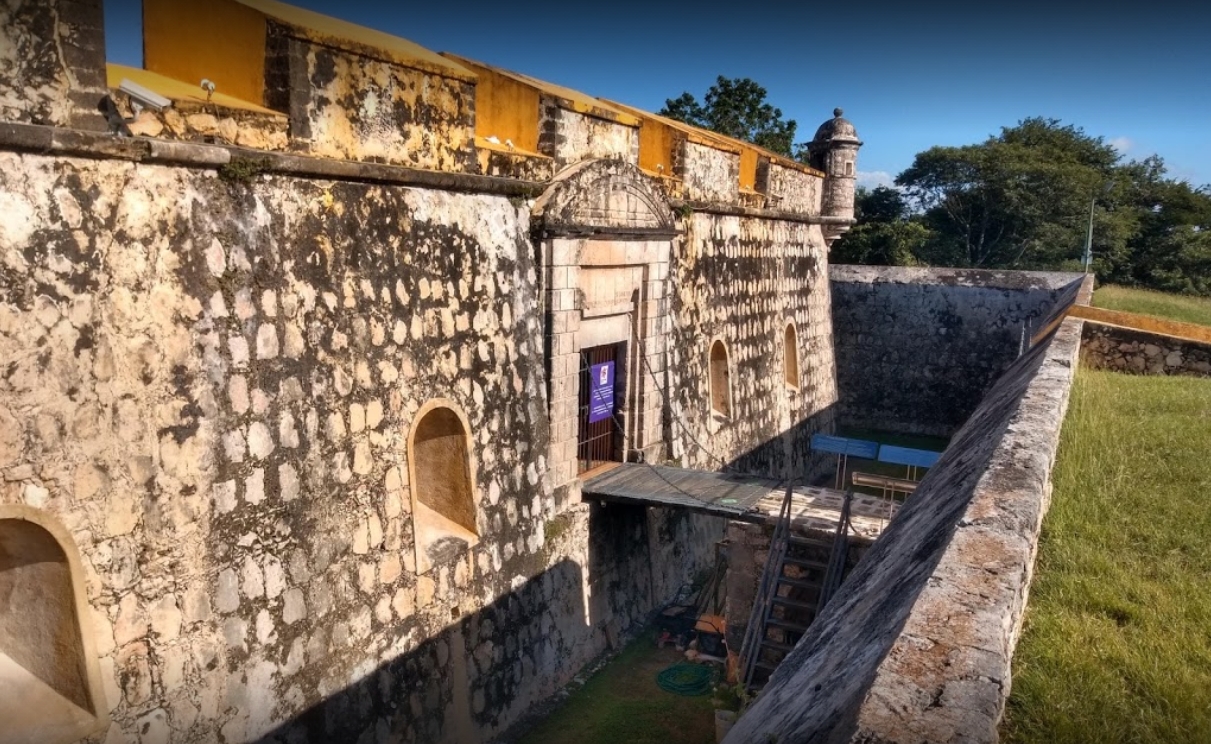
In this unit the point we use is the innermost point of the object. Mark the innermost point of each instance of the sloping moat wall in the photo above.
(917, 349)
(917, 645)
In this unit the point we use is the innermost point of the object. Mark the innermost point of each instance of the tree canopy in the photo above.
(1022, 200)
(736, 108)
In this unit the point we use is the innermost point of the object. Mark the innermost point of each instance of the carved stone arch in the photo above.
(604, 197)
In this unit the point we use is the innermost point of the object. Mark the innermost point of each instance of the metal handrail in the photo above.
(836, 560)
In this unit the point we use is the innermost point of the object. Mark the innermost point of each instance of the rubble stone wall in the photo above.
(53, 63)
(210, 385)
(1140, 352)
(570, 137)
(917, 349)
(709, 174)
(742, 280)
(345, 105)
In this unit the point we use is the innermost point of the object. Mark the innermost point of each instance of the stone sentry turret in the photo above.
(834, 150)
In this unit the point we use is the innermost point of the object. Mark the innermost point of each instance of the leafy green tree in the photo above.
(736, 108)
(886, 234)
(1020, 199)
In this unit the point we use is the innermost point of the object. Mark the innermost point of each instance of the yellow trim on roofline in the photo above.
(565, 98)
(694, 134)
(484, 143)
(351, 37)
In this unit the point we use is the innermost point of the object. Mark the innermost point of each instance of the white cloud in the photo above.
(1122, 144)
(871, 179)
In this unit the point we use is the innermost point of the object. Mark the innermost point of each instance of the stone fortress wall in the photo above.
(917, 349)
(302, 420)
(917, 644)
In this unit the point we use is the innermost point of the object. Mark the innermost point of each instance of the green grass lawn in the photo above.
(622, 704)
(1117, 641)
(1147, 302)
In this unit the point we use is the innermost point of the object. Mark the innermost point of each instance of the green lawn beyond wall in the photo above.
(1117, 640)
(1147, 302)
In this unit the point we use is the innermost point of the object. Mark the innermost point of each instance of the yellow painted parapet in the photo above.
(225, 40)
(181, 92)
(566, 98)
(350, 92)
(512, 107)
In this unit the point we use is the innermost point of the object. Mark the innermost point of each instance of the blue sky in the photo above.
(909, 75)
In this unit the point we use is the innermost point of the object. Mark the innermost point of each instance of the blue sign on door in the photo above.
(601, 392)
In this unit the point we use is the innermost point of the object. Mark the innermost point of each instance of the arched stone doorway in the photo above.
(605, 234)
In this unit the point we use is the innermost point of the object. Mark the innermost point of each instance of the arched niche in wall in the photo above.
(442, 484)
(50, 683)
(790, 359)
(720, 379)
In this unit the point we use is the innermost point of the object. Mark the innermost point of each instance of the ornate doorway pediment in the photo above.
(604, 197)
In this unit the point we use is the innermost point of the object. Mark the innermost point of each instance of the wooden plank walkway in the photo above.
(742, 497)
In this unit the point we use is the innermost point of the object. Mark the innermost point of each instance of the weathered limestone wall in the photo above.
(53, 60)
(187, 122)
(211, 385)
(918, 348)
(570, 137)
(742, 280)
(917, 644)
(709, 174)
(347, 105)
(789, 189)
(1140, 352)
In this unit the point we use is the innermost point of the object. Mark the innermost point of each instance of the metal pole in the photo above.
(1089, 236)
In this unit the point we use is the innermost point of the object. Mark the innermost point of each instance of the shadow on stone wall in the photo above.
(790, 450)
(917, 349)
(482, 673)
(480, 677)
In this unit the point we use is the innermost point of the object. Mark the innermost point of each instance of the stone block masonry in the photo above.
(742, 281)
(210, 385)
(1141, 352)
(918, 348)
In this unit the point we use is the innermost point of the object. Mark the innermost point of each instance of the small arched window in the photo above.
(721, 386)
(790, 364)
(443, 497)
(47, 669)
(849, 167)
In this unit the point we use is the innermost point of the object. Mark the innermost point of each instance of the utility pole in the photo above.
(1089, 236)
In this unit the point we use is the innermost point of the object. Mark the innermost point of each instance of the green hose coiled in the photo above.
(686, 679)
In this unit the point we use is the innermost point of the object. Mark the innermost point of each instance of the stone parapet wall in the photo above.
(790, 189)
(1140, 352)
(349, 106)
(571, 137)
(709, 174)
(186, 122)
(918, 348)
(917, 644)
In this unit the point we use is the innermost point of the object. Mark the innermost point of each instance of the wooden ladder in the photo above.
(801, 574)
